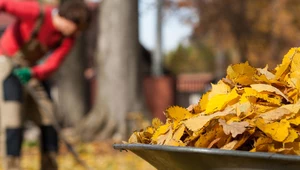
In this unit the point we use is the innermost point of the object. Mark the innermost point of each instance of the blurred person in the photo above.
(39, 30)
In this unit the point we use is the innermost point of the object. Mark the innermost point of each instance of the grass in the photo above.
(98, 155)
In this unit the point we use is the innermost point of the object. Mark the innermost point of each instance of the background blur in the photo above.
(139, 57)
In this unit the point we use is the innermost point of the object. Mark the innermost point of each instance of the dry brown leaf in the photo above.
(274, 115)
(213, 142)
(234, 128)
(191, 107)
(134, 138)
(266, 72)
(245, 136)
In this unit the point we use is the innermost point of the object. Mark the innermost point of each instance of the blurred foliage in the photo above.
(190, 59)
(256, 31)
(98, 155)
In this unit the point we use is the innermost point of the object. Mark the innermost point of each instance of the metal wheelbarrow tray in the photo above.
(189, 158)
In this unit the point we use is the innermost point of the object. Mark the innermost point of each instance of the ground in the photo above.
(99, 156)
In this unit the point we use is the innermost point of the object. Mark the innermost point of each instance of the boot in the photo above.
(49, 161)
(12, 163)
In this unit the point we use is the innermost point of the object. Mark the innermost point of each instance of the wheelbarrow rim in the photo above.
(211, 151)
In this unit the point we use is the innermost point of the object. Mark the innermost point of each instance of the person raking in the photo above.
(39, 31)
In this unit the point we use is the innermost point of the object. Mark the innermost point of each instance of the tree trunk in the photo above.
(277, 6)
(117, 55)
(242, 49)
(157, 67)
(240, 30)
(70, 89)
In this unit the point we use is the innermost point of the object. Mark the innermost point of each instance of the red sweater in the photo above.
(27, 13)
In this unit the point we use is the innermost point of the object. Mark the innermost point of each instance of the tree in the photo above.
(70, 84)
(71, 87)
(157, 66)
(117, 69)
(257, 31)
(194, 58)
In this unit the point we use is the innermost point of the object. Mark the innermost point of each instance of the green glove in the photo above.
(23, 74)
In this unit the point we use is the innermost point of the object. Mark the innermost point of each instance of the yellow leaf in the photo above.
(292, 136)
(244, 99)
(177, 113)
(196, 123)
(219, 88)
(216, 103)
(179, 132)
(213, 131)
(277, 130)
(262, 109)
(232, 119)
(245, 80)
(293, 94)
(295, 121)
(160, 131)
(173, 142)
(164, 139)
(202, 103)
(283, 68)
(295, 64)
(268, 88)
(249, 92)
(219, 102)
(156, 123)
(263, 140)
(241, 73)
(148, 132)
(263, 148)
(243, 108)
(293, 79)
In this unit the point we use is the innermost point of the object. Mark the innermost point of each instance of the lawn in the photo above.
(98, 155)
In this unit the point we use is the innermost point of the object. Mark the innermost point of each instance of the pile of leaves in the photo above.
(252, 109)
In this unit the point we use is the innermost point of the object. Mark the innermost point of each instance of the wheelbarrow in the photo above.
(190, 158)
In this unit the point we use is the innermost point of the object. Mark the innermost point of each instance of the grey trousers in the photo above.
(17, 106)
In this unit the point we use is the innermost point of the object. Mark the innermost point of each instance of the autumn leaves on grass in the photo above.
(251, 109)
